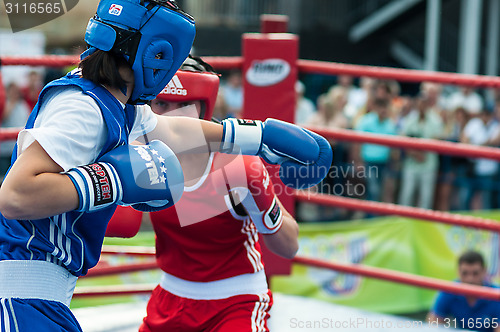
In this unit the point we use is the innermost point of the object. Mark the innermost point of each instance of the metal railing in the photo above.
(337, 15)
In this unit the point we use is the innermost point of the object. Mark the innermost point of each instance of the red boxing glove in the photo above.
(124, 223)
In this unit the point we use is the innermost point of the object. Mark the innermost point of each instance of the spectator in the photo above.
(15, 115)
(330, 110)
(452, 169)
(420, 167)
(386, 89)
(233, 93)
(375, 157)
(32, 89)
(495, 142)
(405, 106)
(359, 103)
(434, 94)
(468, 312)
(304, 108)
(479, 131)
(220, 108)
(382, 89)
(330, 115)
(454, 124)
(354, 95)
(358, 97)
(492, 95)
(467, 98)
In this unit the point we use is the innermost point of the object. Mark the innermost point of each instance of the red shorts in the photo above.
(242, 313)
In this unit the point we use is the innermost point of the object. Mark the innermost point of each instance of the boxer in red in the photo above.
(207, 245)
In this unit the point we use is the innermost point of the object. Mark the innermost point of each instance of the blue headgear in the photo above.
(154, 36)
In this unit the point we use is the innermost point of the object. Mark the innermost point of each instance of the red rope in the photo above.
(439, 146)
(403, 75)
(367, 271)
(7, 134)
(136, 289)
(43, 60)
(218, 62)
(405, 211)
(305, 66)
(119, 269)
(128, 250)
(2, 97)
(224, 62)
(404, 278)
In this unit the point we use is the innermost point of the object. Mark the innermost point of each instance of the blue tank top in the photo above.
(72, 239)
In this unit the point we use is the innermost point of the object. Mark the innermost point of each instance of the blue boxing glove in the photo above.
(305, 157)
(147, 177)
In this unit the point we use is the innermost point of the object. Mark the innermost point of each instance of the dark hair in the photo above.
(384, 84)
(196, 64)
(471, 257)
(381, 102)
(102, 68)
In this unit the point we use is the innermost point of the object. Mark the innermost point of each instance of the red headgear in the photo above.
(193, 85)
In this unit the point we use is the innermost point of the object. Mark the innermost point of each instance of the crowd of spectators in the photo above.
(405, 176)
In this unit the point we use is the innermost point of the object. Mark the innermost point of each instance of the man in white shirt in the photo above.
(479, 131)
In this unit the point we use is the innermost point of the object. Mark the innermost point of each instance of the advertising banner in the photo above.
(400, 244)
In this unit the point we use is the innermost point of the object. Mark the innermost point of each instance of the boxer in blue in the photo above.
(73, 163)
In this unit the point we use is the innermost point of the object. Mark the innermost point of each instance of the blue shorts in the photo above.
(25, 315)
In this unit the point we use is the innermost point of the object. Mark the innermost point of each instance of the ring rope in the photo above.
(128, 250)
(403, 278)
(403, 75)
(42, 60)
(117, 290)
(404, 211)
(7, 134)
(439, 146)
(119, 269)
(357, 269)
(305, 66)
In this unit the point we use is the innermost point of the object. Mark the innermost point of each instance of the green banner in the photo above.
(401, 244)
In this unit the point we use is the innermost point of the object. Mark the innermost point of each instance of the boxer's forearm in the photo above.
(34, 187)
(186, 135)
(284, 242)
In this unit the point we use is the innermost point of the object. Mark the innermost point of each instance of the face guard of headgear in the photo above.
(154, 36)
(193, 82)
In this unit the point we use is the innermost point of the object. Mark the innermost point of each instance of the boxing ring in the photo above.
(329, 68)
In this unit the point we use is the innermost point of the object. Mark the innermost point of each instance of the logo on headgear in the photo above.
(175, 87)
(115, 9)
